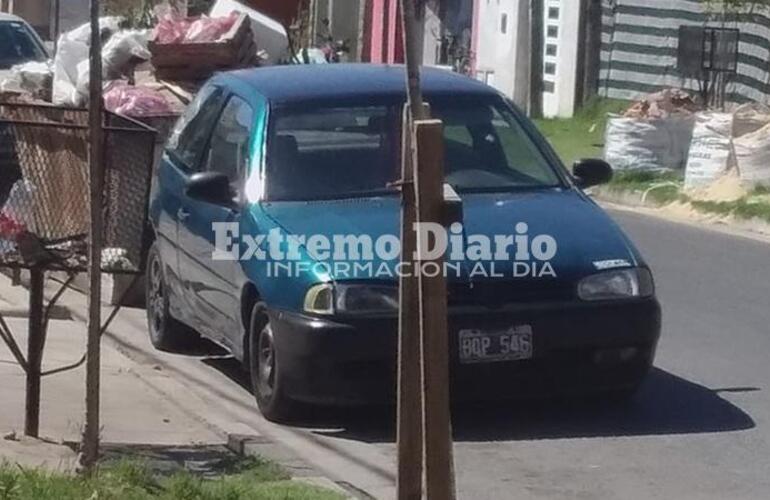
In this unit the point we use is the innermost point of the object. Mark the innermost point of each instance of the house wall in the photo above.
(502, 51)
(560, 57)
(72, 13)
(432, 33)
(385, 44)
(501, 47)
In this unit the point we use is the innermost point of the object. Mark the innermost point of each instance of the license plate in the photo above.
(479, 346)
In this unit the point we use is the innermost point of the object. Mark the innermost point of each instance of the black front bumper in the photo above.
(577, 350)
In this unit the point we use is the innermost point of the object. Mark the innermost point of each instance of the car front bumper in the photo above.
(579, 348)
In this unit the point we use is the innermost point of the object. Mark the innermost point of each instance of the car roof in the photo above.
(9, 17)
(317, 82)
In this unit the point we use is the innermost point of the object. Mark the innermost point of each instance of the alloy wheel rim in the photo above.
(266, 365)
(156, 296)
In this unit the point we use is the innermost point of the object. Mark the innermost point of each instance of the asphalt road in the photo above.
(699, 429)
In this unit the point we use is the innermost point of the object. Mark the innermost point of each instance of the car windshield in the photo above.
(17, 45)
(353, 151)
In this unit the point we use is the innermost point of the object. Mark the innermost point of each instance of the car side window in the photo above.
(191, 133)
(228, 152)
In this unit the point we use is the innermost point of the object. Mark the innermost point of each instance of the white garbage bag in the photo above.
(752, 153)
(72, 49)
(711, 149)
(33, 78)
(648, 144)
(123, 48)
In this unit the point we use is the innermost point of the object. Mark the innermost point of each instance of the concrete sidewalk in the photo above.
(132, 410)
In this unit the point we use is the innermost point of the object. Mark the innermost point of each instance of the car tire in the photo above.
(166, 333)
(265, 370)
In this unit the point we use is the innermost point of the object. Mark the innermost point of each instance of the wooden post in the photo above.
(410, 403)
(422, 330)
(35, 343)
(429, 183)
(90, 447)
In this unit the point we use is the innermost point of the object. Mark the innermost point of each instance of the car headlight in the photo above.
(618, 284)
(330, 299)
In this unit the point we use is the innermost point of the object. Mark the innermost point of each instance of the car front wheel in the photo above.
(265, 369)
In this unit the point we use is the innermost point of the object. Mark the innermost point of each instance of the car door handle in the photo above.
(182, 214)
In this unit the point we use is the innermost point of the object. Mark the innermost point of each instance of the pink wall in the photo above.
(385, 41)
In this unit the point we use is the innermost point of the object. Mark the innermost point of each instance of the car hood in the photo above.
(587, 238)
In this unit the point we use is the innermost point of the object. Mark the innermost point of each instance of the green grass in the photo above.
(667, 185)
(581, 136)
(130, 480)
(756, 204)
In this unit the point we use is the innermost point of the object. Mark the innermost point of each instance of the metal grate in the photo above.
(44, 202)
(707, 49)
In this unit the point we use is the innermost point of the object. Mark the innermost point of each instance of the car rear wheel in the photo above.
(265, 369)
(166, 333)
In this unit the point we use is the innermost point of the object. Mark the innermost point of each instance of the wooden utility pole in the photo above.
(90, 446)
(413, 57)
(424, 422)
(536, 62)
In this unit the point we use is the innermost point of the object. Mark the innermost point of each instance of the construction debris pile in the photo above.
(144, 68)
(663, 104)
(669, 130)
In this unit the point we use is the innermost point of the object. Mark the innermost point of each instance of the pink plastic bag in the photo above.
(136, 101)
(171, 29)
(210, 29)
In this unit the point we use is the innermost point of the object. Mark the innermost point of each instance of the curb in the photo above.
(636, 199)
(258, 446)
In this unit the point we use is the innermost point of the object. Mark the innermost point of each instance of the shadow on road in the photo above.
(666, 404)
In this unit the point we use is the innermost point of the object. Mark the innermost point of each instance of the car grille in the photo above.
(496, 294)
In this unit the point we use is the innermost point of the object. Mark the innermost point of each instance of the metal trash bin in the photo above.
(44, 200)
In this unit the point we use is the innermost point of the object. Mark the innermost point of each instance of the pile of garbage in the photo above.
(33, 79)
(663, 104)
(177, 50)
(736, 142)
(670, 130)
(653, 134)
(173, 28)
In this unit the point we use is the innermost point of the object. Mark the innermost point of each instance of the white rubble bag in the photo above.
(72, 49)
(749, 118)
(711, 149)
(752, 153)
(648, 144)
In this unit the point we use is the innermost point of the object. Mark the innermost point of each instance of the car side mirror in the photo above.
(210, 187)
(592, 172)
